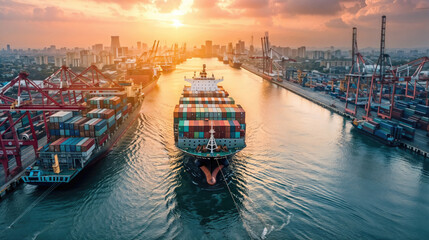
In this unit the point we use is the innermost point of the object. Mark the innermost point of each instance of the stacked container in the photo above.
(78, 144)
(199, 129)
(95, 127)
(209, 112)
(107, 114)
(206, 100)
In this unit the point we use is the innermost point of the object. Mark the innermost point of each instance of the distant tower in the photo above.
(8, 47)
(209, 48)
(114, 45)
(251, 48)
(139, 45)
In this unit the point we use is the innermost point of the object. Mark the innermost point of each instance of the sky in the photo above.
(311, 23)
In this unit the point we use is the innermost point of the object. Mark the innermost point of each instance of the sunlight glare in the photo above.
(176, 23)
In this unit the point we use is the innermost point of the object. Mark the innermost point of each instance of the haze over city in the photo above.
(71, 23)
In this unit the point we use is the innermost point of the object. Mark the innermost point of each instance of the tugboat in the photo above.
(208, 129)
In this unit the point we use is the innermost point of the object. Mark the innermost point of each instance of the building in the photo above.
(209, 48)
(85, 58)
(97, 48)
(72, 59)
(216, 50)
(335, 63)
(139, 45)
(229, 49)
(294, 53)
(106, 57)
(114, 45)
(59, 61)
(242, 47)
(223, 49)
(8, 47)
(52, 49)
(327, 55)
(40, 60)
(301, 52)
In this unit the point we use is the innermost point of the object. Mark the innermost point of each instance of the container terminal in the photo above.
(52, 129)
(387, 103)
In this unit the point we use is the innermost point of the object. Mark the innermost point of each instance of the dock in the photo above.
(418, 146)
(28, 159)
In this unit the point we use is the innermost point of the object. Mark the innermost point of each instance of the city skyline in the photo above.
(37, 23)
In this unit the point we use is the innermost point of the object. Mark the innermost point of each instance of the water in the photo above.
(304, 174)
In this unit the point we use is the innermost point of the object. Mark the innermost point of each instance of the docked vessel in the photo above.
(145, 76)
(235, 63)
(168, 66)
(78, 139)
(208, 125)
(388, 133)
(225, 59)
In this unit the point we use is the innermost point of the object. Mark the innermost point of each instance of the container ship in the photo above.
(208, 124)
(146, 76)
(235, 63)
(386, 132)
(168, 66)
(80, 138)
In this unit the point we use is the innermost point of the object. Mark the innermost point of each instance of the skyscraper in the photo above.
(209, 48)
(114, 45)
(229, 49)
(8, 47)
(139, 45)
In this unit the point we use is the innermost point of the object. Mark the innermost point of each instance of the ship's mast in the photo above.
(211, 145)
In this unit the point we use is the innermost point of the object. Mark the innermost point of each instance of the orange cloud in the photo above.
(290, 22)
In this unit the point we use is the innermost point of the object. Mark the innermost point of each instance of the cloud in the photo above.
(336, 23)
(167, 5)
(124, 4)
(48, 14)
(308, 7)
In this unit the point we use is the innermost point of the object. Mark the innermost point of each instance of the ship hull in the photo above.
(168, 68)
(99, 154)
(235, 65)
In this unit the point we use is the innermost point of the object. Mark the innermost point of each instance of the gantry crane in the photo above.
(271, 59)
(383, 78)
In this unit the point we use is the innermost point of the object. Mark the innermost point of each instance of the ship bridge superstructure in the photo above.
(203, 83)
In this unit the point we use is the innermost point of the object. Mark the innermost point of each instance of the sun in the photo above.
(176, 23)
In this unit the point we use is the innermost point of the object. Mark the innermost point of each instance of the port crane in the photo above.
(148, 57)
(410, 75)
(273, 59)
(356, 79)
(383, 82)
